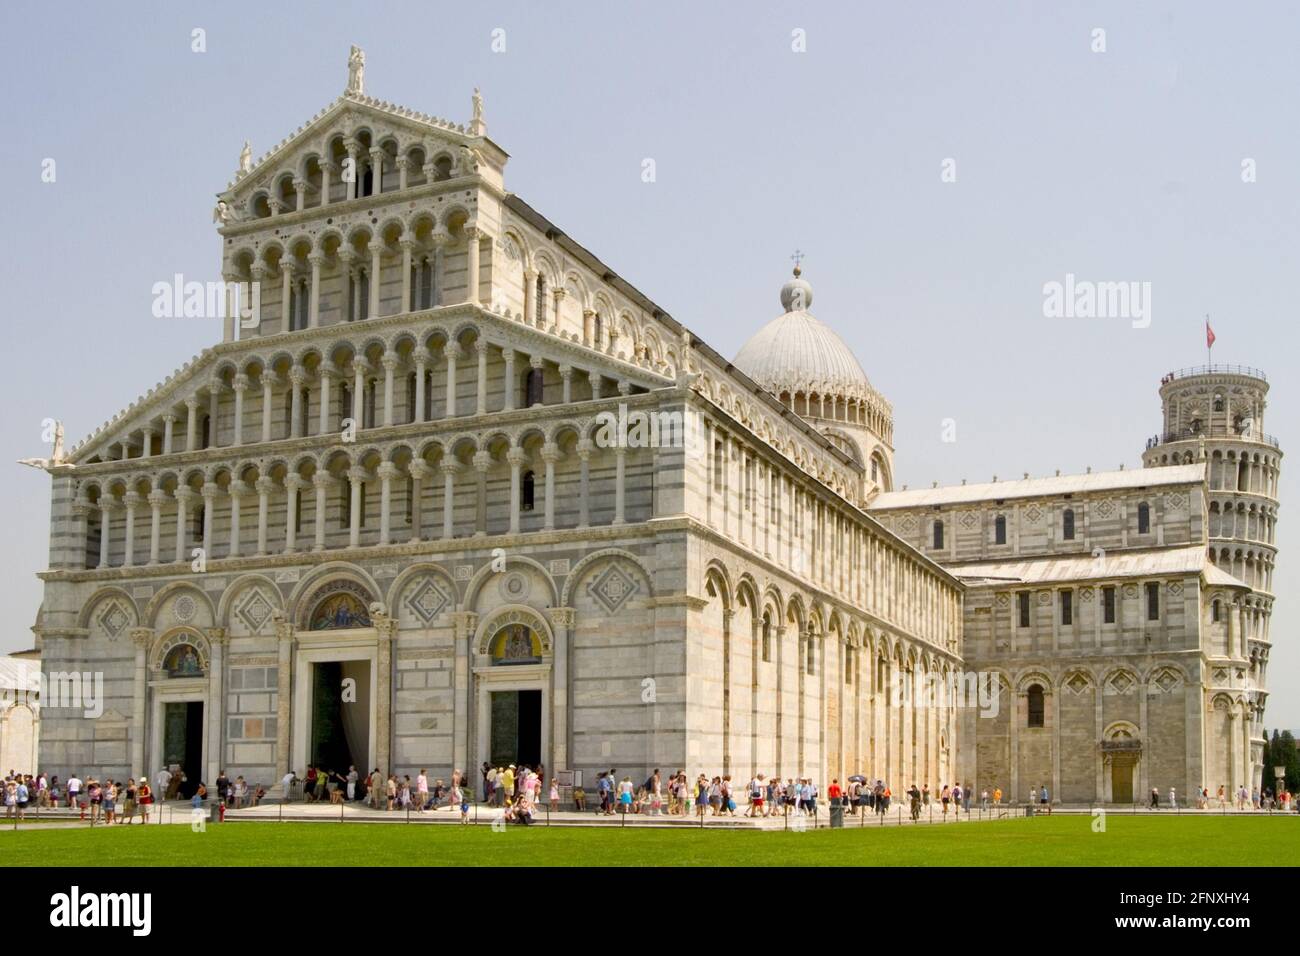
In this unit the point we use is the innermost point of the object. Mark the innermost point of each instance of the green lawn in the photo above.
(1056, 841)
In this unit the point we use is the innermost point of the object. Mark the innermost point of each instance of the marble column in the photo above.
(323, 415)
(390, 366)
(284, 689)
(387, 471)
(293, 487)
(265, 485)
(481, 349)
(322, 482)
(516, 458)
(585, 448)
(511, 386)
(472, 235)
(316, 259)
(157, 499)
(620, 474)
(358, 476)
(240, 384)
(142, 639)
(297, 380)
(450, 468)
(236, 490)
(217, 640)
(184, 498)
(268, 398)
(385, 632)
(482, 462)
(417, 471)
(130, 501)
(550, 455)
(191, 422)
(563, 619)
(420, 371)
(452, 352)
(376, 275)
(209, 491)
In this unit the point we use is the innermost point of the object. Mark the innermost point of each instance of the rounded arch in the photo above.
(102, 595)
(509, 614)
(236, 589)
(304, 596)
(413, 573)
(481, 576)
(175, 637)
(165, 593)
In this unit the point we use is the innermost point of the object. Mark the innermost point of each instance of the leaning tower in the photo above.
(1215, 413)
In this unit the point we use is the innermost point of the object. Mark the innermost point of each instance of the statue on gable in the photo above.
(356, 70)
(56, 456)
(246, 158)
(477, 127)
(222, 213)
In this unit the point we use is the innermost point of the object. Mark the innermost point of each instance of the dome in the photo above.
(797, 354)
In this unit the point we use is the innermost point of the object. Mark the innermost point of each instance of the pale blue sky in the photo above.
(1123, 165)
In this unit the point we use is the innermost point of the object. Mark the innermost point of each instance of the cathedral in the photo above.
(450, 491)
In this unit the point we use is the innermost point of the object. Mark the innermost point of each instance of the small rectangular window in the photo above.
(1153, 602)
(1023, 599)
(1067, 607)
(1108, 605)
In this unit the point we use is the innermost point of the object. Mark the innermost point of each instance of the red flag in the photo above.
(1209, 335)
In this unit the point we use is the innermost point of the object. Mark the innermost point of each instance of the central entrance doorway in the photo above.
(340, 716)
(183, 742)
(1121, 779)
(516, 736)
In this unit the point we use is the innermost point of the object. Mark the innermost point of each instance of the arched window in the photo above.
(767, 638)
(368, 182)
(1214, 611)
(597, 327)
(1144, 518)
(541, 299)
(345, 402)
(410, 398)
(1067, 524)
(938, 535)
(526, 491)
(1036, 706)
(1000, 530)
(205, 433)
(1218, 403)
(198, 523)
(533, 382)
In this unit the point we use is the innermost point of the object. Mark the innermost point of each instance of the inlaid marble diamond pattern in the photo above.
(907, 525)
(426, 600)
(1105, 509)
(254, 610)
(113, 619)
(613, 587)
(1175, 502)
(1033, 513)
(968, 520)
(1121, 683)
(1176, 589)
(1078, 684)
(1166, 681)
